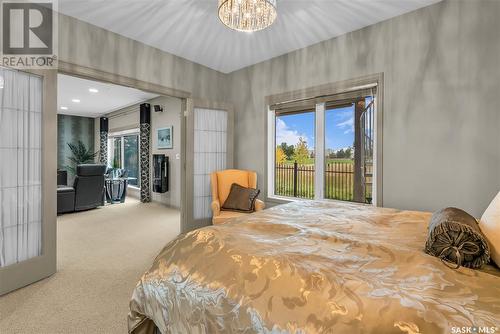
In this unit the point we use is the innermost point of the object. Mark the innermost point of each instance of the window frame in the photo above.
(319, 96)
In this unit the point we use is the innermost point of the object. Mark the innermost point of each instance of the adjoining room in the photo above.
(100, 123)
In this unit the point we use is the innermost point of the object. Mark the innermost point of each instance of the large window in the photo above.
(125, 155)
(324, 149)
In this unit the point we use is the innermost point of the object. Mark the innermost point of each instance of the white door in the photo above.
(209, 148)
(27, 177)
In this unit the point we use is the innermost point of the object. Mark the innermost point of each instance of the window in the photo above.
(294, 167)
(131, 158)
(324, 148)
(124, 154)
(116, 157)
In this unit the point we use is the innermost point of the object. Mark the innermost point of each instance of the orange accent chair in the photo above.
(221, 185)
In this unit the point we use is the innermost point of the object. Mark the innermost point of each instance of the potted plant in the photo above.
(81, 155)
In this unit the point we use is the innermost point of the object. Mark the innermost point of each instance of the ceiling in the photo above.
(192, 30)
(108, 98)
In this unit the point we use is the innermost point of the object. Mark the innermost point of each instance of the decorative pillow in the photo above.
(241, 199)
(455, 237)
(490, 226)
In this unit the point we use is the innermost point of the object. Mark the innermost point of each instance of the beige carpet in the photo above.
(101, 255)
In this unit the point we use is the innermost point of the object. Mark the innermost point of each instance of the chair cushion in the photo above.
(241, 199)
(226, 216)
(226, 178)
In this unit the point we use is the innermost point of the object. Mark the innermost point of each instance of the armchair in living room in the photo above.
(87, 191)
(221, 182)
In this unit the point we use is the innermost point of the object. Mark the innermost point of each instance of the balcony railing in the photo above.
(296, 180)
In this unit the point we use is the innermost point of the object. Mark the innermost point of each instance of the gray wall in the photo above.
(86, 45)
(441, 120)
(71, 129)
(441, 130)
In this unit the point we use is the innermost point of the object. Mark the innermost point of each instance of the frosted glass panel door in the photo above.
(20, 166)
(210, 155)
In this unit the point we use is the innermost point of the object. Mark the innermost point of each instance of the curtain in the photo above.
(210, 155)
(20, 166)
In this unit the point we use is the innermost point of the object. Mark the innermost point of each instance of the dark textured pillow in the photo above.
(241, 199)
(455, 237)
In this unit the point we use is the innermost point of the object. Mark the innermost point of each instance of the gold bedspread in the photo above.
(312, 267)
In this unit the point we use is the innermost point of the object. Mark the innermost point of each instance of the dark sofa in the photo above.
(87, 191)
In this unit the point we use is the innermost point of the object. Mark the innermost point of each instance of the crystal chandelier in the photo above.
(247, 15)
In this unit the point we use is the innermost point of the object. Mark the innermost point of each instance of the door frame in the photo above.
(23, 273)
(187, 153)
(98, 75)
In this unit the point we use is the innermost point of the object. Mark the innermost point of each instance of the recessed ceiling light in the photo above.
(75, 100)
(64, 108)
(93, 90)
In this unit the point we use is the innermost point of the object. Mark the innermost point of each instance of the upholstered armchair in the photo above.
(221, 185)
(87, 191)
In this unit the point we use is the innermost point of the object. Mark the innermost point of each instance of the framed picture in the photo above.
(164, 137)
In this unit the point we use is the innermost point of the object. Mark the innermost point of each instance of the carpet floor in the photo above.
(101, 255)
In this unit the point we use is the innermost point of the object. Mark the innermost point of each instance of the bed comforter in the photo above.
(312, 267)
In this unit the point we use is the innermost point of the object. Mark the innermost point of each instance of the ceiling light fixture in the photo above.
(64, 108)
(93, 90)
(247, 15)
(75, 101)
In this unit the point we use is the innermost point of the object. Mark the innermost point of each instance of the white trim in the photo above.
(271, 151)
(319, 152)
(375, 201)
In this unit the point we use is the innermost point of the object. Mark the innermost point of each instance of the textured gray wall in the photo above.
(86, 45)
(441, 115)
(71, 129)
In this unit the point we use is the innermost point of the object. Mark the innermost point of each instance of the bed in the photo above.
(312, 267)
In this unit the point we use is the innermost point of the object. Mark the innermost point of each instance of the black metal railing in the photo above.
(296, 180)
(339, 177)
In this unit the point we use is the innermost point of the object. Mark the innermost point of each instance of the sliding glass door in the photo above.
(324, 148)
(131, 158)
(124, 154)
